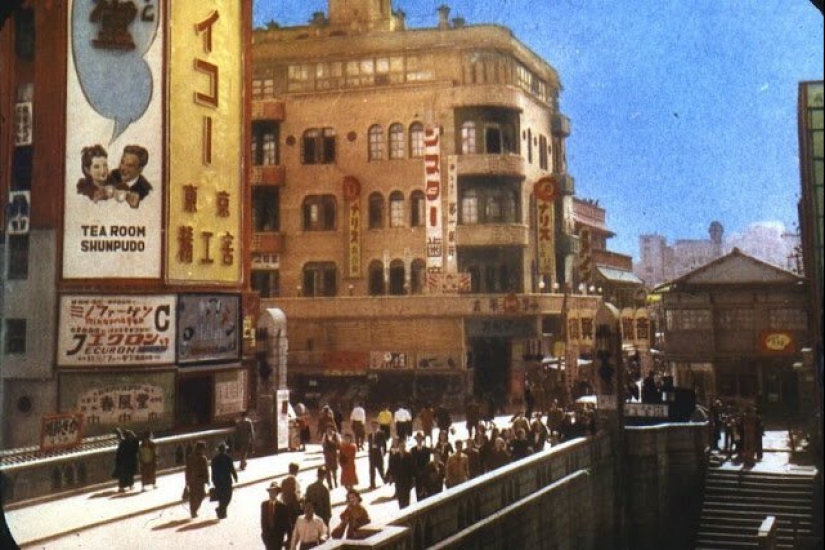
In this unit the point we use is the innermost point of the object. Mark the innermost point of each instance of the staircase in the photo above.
(737, 501)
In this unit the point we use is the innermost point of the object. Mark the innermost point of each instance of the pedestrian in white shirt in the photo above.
(403, 422)
(310, 530)
(358, 420)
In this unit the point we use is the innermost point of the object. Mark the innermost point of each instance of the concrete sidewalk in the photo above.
(40, 522)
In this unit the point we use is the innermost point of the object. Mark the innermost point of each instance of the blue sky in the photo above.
(682, 112)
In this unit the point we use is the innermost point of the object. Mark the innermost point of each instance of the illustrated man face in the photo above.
(99, 169)
(129, 166)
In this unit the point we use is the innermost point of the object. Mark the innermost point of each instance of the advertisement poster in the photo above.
(107, 400)
(113, 193)
(116, 331)
(205, 78)
(61, 431)
(208, 327)
(230, 393)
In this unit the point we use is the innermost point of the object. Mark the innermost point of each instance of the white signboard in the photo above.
(230, 393)
(116, 331)
(432, 195)
(113, 192)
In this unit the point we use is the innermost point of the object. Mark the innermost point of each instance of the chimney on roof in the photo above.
(444, 17)
(459, 22)
(318, 19)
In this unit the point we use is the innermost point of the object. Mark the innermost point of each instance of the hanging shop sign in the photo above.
(432, 198)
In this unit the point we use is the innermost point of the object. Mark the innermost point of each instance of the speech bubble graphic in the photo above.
(109, 41)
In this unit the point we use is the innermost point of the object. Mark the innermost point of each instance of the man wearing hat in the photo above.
(275, 516)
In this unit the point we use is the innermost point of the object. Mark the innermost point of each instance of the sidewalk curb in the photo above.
(315, 463)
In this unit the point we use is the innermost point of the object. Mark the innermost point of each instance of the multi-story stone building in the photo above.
(412, 206)
(122, 147)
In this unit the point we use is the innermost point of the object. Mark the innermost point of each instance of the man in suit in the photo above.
(223, 474)
(275, 516)
(377, 448)
(421, 455)
(130, 174)
(402, 471)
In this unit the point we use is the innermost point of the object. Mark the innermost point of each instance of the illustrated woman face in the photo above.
(99, 170)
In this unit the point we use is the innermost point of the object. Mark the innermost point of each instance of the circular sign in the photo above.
(352, 188)
(546, 188)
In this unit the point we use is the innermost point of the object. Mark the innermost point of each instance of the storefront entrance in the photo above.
(193, 405)
(491, 368)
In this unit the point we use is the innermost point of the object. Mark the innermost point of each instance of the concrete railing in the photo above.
(766, 535)
(55, 476)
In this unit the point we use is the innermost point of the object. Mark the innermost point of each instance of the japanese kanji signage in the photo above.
(114, 188)
(116, 330)
(433, 197)
(205, 77)
(546, 190)
(352, 195)
(61, 431)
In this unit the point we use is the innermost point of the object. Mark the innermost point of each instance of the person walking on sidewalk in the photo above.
(385, 421)
(244, 438)
(126, 459)
(223, 474)
(310, 530)
(346, 457)
(377, 448)
(329, 444)
(318, 494)
(148, 458)
(357, 420)
(274, 519)
(197, 477)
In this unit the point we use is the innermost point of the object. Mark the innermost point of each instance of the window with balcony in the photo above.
(318, 146)
(417, 209)
(376, 143)
(265, 209)
(397, 144)
(469, 207)
(265, 143)
(375, 273)
(487, 203)
(376, 211)
(319, 212)
(492, 270)
(468, 138)
(416, 140)
(320, 279)
(396, 209)
(15, 343)
(266, 282)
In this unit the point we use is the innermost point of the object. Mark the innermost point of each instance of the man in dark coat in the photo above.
(223, 474)
(318, 495)
(126, 459)
(377, 448)
(402, 471)
(274, 519)
(421, 458)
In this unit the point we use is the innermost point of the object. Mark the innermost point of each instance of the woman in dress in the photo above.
(148, 458)
(329, 444)
(346, 457)
(353, 518)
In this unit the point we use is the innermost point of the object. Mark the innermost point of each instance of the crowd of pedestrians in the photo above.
(737, 432)
(422, 459)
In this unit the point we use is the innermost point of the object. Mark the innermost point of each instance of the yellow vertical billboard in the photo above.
(205, 122)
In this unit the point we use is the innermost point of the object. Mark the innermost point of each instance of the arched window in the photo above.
(319, 213)
(376, 278)
(397, 275)
(320, 279)
(416, 140)
(469, 207)
(418, 271)
(396, 209)
(468, 138)
(417, 209)
(376, 211)
(376, 143)
(397, 141)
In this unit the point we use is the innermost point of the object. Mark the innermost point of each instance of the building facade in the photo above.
(413, 214)
(734, 329)
(123, 236)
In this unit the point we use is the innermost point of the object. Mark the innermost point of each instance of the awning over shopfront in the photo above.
(618, 276)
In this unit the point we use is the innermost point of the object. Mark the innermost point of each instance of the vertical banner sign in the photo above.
(205, 141)
(352, 196)
(113, 192)
(452, 214)
(545, 190)
(432, 194)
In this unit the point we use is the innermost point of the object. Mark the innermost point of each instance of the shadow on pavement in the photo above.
(104, 494)
(170, 524)
(199, 525)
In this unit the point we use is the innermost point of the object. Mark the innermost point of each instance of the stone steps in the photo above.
(737, 502)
